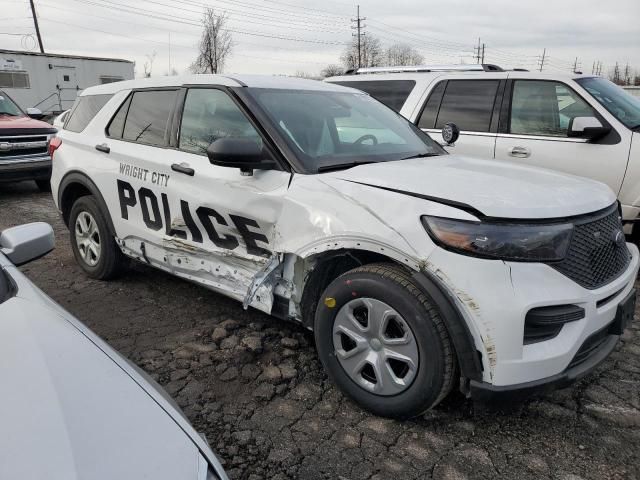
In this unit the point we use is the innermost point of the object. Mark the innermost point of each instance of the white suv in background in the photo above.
(579, 124)
(416, 270)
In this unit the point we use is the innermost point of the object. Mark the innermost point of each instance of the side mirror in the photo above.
(35, 113)
(28, 242)
(450, 133)
(242, 153)
(587, 127)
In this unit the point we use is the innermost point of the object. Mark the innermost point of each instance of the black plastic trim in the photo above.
(82, 179)
(469, 361)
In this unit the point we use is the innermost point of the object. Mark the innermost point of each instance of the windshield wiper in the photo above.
(340, 166)
(421, 155)
(9, 113)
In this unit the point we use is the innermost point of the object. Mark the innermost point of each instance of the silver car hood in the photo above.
(496, 189)
(72, 408)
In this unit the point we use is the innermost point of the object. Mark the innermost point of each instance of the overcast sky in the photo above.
(312, 34)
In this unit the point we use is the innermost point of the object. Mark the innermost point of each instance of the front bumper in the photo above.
(494, 297)
(594, 351)
(33, 169)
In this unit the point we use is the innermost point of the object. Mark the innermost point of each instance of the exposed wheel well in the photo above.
(327, 267)
(71, 193)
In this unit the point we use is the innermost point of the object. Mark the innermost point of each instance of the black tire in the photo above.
(111, 261)
(44, 185)
(393, 285)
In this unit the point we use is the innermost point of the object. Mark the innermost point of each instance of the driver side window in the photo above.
(210, 114)
(545, 108)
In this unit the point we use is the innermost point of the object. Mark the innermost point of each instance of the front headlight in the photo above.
(505, 241)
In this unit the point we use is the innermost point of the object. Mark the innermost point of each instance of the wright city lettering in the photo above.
(155, 220)
(157, 178)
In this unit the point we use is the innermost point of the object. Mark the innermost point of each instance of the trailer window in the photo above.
(14, 80)
(83, 111)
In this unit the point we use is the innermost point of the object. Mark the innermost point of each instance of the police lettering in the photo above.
(151, 216)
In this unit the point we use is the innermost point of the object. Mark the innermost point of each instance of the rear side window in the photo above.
(148, 117)
(429, 114)
(83, 111)
(393, 93)
(468, 104)
(115, 128)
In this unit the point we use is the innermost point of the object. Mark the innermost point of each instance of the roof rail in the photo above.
(485, 67)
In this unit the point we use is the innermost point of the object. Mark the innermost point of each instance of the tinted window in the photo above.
(149, 116)
(429, 114)
(116, 126)
(468, 104)
(393, 93)
(208, 115)
(545, 108)
(83, 111)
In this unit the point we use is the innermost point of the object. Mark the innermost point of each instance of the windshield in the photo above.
(329, 130)
(7, 107)
(622, 105)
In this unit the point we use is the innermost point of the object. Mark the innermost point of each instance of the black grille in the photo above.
(594, 257)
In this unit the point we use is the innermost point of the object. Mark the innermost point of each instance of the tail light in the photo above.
(54, 144)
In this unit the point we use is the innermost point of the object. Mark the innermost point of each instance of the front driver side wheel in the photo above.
(383, 341)
(93, 245)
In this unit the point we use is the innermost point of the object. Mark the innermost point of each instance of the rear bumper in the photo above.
(33, 169)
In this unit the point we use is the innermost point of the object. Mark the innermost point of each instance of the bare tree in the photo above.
(331, 70)
(215, 44)
(402, 54)
(148, 65)
(370, 53)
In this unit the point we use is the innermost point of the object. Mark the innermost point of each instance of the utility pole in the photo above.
(627, 75)
(541, 61)
(576, 65)
(482, 54)
(477, 51)
(359, 34)
(35, 22)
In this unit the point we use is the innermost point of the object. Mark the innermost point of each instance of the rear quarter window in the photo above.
(393, 93)
(84, 110)
(148, 117)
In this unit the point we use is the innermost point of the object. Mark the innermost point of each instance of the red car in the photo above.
(23, 144)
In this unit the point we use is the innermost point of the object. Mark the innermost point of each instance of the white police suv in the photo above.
(417, 270)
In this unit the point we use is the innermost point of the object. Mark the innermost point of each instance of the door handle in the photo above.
(183, 168)
(103, 147)
(520, 152)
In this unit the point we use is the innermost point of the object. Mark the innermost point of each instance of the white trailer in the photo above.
(51, 81)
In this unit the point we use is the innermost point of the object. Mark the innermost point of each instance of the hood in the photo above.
(495, 189)
(23, 124)
(69, 411)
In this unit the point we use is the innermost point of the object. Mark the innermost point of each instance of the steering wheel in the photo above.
(366, 137)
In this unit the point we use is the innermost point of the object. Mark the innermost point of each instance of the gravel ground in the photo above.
(254, 386)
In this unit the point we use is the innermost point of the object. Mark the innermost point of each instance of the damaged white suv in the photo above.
(417, 270)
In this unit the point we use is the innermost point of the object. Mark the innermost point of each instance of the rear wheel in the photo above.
(383, 341)
(93, 245)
